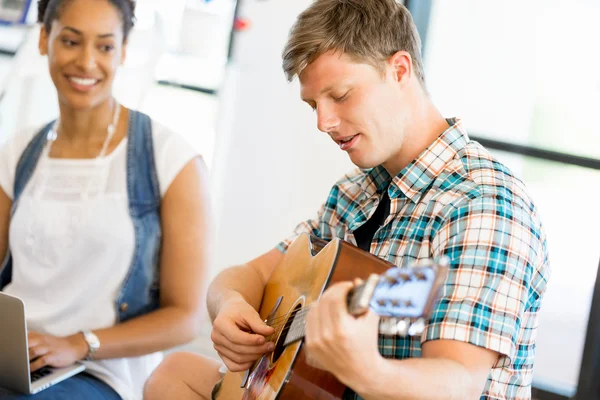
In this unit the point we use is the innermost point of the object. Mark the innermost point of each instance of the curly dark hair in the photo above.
(49, 10)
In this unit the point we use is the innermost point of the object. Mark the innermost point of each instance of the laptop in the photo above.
(14, 353)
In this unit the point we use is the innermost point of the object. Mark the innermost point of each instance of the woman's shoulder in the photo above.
(14, 144)
(172, 152)
(169, 140)
(161, 132)
(10, 153)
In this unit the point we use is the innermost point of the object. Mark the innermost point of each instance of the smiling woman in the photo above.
(84, 50)
(103, 217)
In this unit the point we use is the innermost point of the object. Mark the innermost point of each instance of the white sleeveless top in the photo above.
(72, 243)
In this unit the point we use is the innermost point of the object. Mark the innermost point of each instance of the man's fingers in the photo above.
(312, 362)
(257, 325)
(233, 334)
(245, 350)
(334, 301)
(235, 367)
(340, 289)
(371, 318)
(237, 357)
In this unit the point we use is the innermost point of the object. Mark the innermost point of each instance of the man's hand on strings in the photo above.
(240, 336)
(337, 341)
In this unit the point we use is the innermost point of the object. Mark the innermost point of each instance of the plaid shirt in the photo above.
(455, 199)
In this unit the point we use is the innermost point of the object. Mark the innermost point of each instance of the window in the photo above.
(525, 74)
(519, 71)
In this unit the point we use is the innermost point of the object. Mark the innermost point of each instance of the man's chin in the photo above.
(364, 164)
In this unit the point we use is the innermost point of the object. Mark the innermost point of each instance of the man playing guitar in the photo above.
(423, 190)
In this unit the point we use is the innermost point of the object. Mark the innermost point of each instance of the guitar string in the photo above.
(279, 319)
(301, 312)
(283, 332)
(275, 321)
(284, 316)
(283, 319)
(285, 329)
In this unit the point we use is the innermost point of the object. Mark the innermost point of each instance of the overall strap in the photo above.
(25, 168)
(29, 160)
(140, 291)
(142, 180)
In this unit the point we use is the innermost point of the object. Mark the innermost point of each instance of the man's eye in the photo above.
(341, 98)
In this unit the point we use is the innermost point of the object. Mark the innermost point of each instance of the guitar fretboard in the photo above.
(387, 327)
(297, 328)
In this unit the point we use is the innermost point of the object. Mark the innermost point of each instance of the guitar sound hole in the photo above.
(279, 347)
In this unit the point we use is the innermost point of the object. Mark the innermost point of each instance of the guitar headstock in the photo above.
(403, 297)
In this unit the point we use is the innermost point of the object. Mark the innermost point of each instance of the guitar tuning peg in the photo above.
(409, 304)
(382, 302)
(402, 326)
(388, 326)
(420, 276)
(395, 303)
(394, 326)
(404, 276)
(417, 327)
(391, 280)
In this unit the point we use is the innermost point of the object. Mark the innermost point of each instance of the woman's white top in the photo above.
(72, 243)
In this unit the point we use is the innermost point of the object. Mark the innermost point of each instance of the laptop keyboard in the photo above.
(40, 373)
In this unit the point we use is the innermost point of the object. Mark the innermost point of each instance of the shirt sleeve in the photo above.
(325, 225)
(7, 173)
(172, 152)
(493, 248)
(310, 226)
(10, 153)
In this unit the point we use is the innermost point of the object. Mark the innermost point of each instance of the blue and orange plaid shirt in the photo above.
(456, 200)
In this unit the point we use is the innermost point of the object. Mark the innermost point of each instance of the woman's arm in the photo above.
(185, 256)
(5, 204)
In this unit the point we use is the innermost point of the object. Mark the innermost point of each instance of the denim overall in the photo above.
(139, 293)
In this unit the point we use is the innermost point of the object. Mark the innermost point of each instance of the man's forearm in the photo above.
(417, 378)
(241, 281)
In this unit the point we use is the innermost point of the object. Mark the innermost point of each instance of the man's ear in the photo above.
(400, 64)
(43, 42)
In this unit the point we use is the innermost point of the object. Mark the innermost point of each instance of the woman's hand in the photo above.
(46, 350)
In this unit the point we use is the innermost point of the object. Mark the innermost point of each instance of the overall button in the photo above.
(123, 307)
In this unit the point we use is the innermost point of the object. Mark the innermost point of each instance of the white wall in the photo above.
(272, 167)
(30, 97)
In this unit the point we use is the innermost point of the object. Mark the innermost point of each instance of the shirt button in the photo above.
(123, 307)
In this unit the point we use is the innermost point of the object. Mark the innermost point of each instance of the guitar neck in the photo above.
(402, 297)
(357, 301)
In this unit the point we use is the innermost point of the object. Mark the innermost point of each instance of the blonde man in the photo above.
(423, 190)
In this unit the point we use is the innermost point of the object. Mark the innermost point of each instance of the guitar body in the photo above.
(305, 272)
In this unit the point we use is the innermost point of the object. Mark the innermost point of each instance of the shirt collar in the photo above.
(419, 174)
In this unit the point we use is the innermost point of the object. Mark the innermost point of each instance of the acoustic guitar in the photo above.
(403, 297)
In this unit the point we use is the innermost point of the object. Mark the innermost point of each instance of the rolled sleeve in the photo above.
(491, 245)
